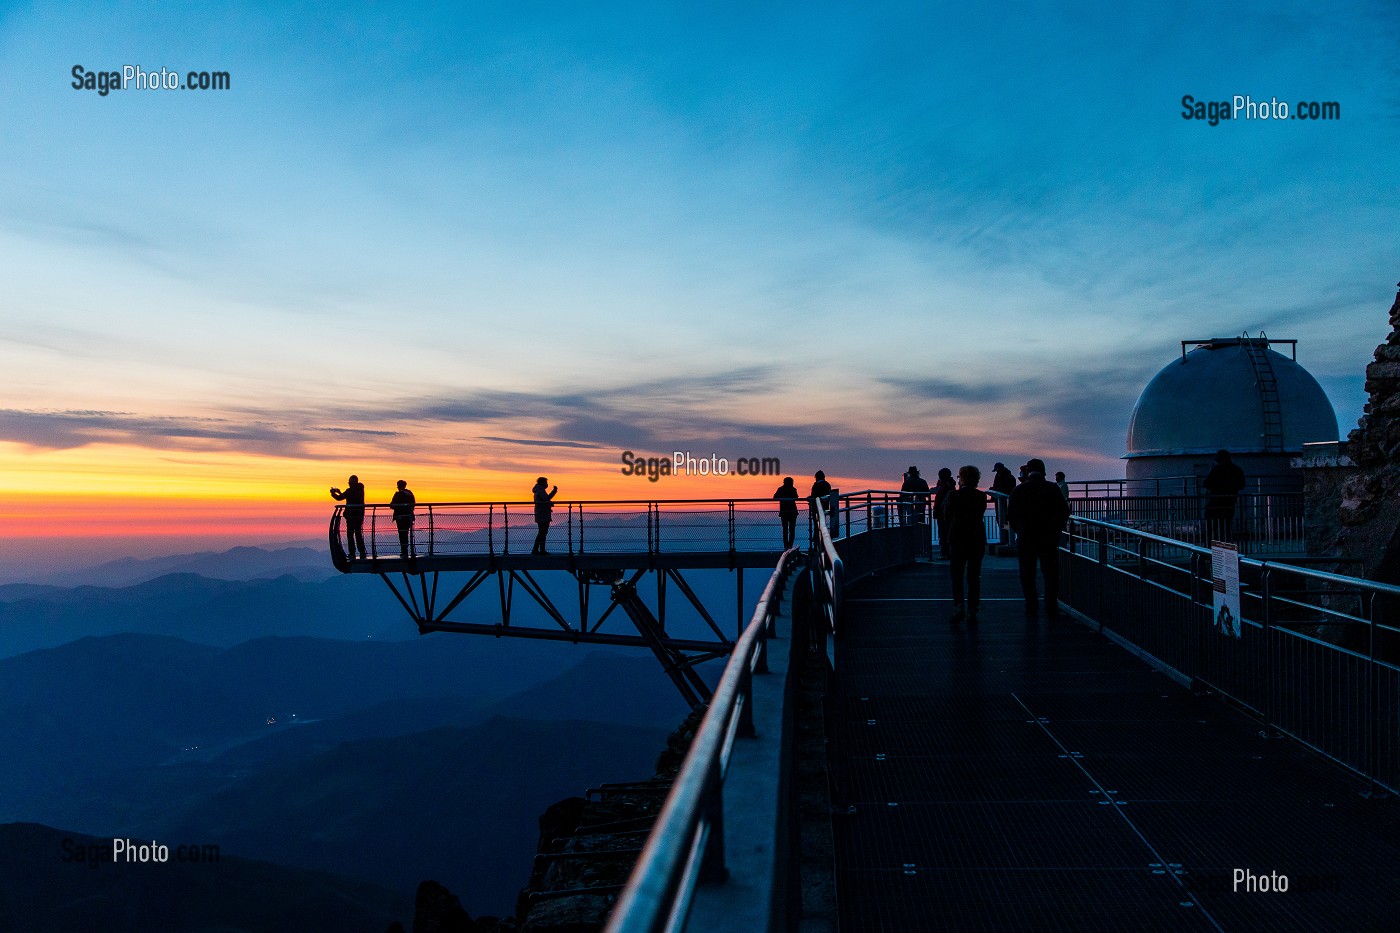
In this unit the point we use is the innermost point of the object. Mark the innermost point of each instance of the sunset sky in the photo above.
(469, 244)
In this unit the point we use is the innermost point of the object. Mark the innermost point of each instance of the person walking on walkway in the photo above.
(964, 509)
(544, 512)
(402, 504)
(354, 499)
(941, 491)
(1037, 513)
(1224, 483)
(787, 510)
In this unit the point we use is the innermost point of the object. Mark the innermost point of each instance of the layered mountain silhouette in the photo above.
(433, 769)
(189, 708)
(71, 714)
(239, 563)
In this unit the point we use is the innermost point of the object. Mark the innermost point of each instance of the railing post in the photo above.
(732, 537)
(373, 531)
(712, 867)
(571, 528)
(1373, 720)
(505, 525)
(430, 530)
(491, 529)
(1266, 586)
(1197, 684)
(760, 666)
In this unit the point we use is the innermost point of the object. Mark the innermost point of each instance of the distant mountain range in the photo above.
(303, 721)
(71, 714)
(238, 563)
(200, 609)
(216, 610)
(408, 760)
(460, 805)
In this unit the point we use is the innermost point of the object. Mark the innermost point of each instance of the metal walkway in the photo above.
(1035, 776)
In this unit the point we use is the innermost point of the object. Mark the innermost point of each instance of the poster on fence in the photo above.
(1225, 579)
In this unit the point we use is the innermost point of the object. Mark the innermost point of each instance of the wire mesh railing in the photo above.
(446, 529)
(877, 509)
(686, 846)
(1260, 524)
(1316, 657)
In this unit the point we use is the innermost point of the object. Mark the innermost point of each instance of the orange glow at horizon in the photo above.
(129, 491)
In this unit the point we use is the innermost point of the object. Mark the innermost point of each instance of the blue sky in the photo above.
(837, 235)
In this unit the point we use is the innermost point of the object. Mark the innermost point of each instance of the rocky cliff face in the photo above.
(586, 851)
(1369, 511)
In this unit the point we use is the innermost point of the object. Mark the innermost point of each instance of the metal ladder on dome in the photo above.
(1257, 349)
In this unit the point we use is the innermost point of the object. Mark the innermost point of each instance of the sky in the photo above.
(469, 244)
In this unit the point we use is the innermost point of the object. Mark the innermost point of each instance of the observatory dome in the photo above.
(1231, 393)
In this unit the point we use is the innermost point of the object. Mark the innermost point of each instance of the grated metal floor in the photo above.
(1033, 776)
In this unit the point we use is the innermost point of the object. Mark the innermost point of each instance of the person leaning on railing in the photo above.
(914, 498)
(402, 503)
(1224, 482)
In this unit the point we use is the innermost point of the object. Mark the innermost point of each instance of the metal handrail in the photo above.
(454, 528)
(830, 570)
(1330, 697)
(686, 844)
(1372, 585)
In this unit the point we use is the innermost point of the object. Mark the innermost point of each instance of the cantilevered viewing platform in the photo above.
(1132, 763)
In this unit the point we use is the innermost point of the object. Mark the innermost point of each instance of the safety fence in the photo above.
(686, 846)
(1259, 524)
(1316, 655)
(444, 529)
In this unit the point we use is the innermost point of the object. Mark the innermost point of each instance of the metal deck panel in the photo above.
(1037, 777)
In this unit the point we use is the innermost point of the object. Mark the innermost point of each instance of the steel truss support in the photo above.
(431, 609)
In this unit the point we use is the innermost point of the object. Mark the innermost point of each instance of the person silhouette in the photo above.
(1224, 483)
(941, 491)
(354, 499)
(915, 493)
(1002, 480)
(544, 512)
(1037, 513)
(787, 510)
(402, 504)
(1004, 484)
(965, 508)
(820, 488)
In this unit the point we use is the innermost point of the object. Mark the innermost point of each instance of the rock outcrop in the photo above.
(1369, 509)
(586, 851)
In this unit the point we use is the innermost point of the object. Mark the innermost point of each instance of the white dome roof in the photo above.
(1212, 399)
